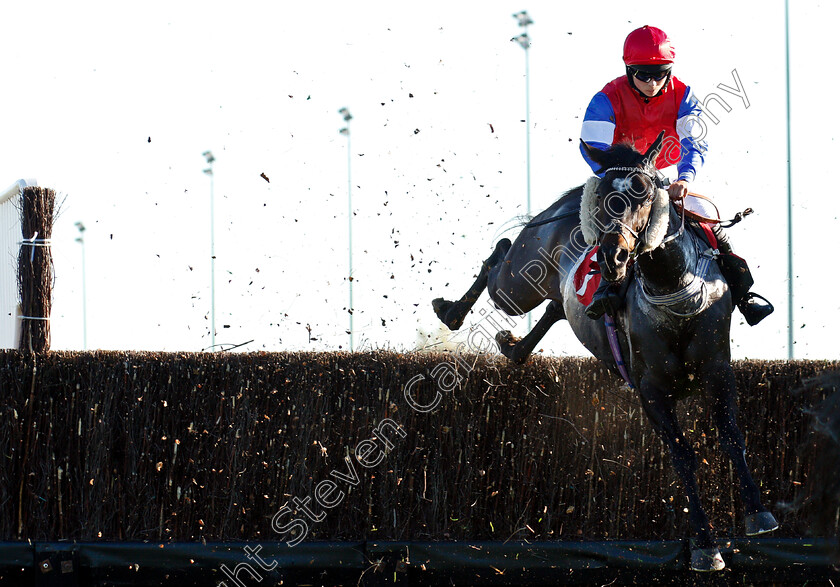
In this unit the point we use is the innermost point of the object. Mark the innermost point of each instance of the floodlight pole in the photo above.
(525, 42)
(209, 171)
(789, 192)
(81, 241)
(345, 114)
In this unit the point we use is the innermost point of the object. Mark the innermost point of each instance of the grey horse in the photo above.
(673, 329)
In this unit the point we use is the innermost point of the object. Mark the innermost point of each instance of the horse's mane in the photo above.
(618, 155)
(557, 205)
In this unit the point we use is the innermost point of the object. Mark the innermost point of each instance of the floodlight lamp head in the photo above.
(345, 114)
(523, 18)
(208, 156)
(80, 226)
(524, 40)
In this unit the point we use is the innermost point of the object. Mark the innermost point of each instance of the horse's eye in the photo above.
(640, 186)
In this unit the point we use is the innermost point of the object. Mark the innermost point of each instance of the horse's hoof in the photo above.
(507, 342)
(760, 523)
(706, 560)
(507, 346)
(504, 338)
(442, 308)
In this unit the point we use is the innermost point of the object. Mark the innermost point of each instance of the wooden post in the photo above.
(35, 275)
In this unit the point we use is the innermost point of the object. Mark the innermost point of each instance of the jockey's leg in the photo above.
(609, 297)
(754, 307)
(724, 245)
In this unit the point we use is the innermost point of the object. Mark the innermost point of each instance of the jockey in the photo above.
(634, 109)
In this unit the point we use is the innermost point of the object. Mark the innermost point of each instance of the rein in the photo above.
(677, 234)
(705, 219)
(678, 204)
(575, 212)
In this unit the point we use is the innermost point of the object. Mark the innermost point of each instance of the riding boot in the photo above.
(606, 299)
(753, 307)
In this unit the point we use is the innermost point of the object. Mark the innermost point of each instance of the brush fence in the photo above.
(374, 446)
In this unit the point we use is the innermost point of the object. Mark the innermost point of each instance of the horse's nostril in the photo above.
(622, 256)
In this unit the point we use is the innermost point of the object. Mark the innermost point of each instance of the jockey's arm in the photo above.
(598, 127)
(691, 132)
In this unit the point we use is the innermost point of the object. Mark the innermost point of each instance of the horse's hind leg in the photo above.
(517, 350)
(721, 383)
(452, 314)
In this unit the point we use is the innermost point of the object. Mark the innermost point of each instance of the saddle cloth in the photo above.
(587, 276)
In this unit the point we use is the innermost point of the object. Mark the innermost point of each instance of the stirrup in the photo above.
(754, 311)
(607, 301)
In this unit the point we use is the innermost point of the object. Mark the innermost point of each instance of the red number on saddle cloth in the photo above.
(587, 277)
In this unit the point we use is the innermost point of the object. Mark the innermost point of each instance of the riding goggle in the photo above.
(646, 77)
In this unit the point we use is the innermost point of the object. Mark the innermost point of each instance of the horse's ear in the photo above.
(653, 151)
(594, 153)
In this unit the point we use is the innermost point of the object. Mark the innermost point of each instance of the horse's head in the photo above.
(625, 212)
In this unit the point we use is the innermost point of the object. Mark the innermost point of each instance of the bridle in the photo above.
(617, 226)
(696, 289)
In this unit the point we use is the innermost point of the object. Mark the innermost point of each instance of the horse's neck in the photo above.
(669, 267)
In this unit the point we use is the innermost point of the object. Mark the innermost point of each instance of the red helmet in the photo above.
(648, 46)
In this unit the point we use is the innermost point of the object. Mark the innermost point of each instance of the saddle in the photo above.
(735, 270)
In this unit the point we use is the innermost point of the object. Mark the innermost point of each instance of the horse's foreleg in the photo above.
(721, 384)
(659, 405)
(452, 314)
(517, 350)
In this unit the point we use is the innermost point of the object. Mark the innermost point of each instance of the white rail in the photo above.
(10, 237)
(16, 189)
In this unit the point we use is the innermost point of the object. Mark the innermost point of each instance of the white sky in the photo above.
(260, 84)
